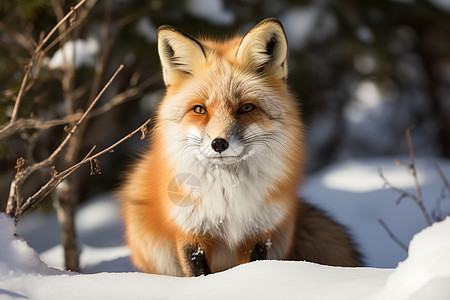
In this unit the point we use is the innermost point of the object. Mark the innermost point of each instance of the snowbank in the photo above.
(426, 272)
(350, 191)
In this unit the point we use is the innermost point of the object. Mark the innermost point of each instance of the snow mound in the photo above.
(426, 271)
(16, 257)
(424, 275)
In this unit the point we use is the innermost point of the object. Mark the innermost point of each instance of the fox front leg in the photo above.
(259, 252)
(253, 251)
(193, 260)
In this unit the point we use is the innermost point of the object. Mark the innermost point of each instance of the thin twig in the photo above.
(83, 117)
(53, 30)
(129, 94)
(412, 167)
(35, 56)
(23, 175)
(437, 213)
(102, 59)
(392, 235)
(88, 158)
(403, 193)
(15, 111)
(96, 99)
(34, 200)
(443, 178)
(417, 198)
(61, 36)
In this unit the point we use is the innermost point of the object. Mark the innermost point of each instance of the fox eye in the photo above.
(247, 107)
(198, 109)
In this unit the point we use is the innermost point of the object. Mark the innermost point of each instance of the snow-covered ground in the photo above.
(351, 191)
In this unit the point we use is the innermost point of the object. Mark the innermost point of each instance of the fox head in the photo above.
(227, 105)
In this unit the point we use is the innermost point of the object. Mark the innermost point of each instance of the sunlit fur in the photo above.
(248, 192)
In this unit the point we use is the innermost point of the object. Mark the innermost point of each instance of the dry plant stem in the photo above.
(14, 195)
(438, 214)
(101, 62)
(36, 56)
(59, 177)
(53, 30)
(62, 36)
(443, 178)
(19, 95)
(129, 94)
(392, 235)
(412, 167)
(403, 194)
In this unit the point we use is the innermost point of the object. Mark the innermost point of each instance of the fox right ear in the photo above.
(179, 54)
(264, 49)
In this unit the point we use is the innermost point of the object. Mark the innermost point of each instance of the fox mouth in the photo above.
(226, 159)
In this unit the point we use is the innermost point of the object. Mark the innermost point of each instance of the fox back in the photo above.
(218, 185)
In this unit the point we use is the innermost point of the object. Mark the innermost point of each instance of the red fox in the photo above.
(217, 187)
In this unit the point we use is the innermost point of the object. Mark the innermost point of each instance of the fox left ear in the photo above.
(264, 49)
(180, 54)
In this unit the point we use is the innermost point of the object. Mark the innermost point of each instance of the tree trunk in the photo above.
(65, 201)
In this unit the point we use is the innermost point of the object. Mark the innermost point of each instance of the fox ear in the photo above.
(264, 48)
(179, 53)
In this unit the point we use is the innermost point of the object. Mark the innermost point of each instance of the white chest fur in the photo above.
(230, 205)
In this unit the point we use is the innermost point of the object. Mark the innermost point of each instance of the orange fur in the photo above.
(247, 204)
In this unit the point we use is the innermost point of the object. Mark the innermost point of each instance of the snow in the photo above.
(298, 24)
(426, 264)
(364, 34)
(351, 191)
(364, 63)
(211, 10)
(85, 52)
(300, 21)
(441, 4)
(146, 28)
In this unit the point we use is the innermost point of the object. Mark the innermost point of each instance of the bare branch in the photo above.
(62, 35)
(443, 178)
(19, 95)
(64, 19)
(96, 99)
(127, 95)
(23, 175)
(403, 193)
(34, 200)
(36, 56)
(101, 61)
(417, 198)
(392, 235)
(415, 176)
(438, 213)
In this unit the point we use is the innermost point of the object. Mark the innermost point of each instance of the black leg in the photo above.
(195, 259)
(259, 252)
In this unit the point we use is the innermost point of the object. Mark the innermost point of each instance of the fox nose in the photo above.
(219, 145)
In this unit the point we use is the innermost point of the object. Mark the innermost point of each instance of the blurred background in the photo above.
(363, 72)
